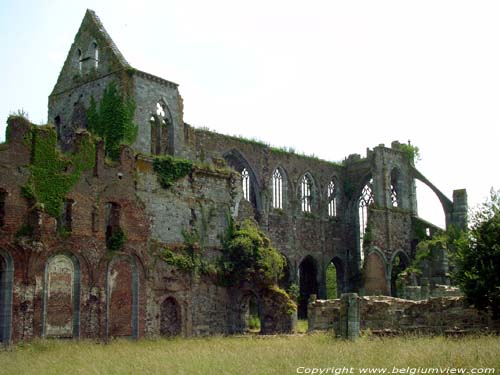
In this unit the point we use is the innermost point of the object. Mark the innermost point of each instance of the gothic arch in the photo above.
(162, 129)
(6, 287)
(250, 308)
(333, 196)
(122, 297)
(396, 188)
(61, 296)
(308, 193)
(308, 283)
(236, 160)
(278, 190)
(365, 197)
(338, 266)
(375, 272)
(399, 261)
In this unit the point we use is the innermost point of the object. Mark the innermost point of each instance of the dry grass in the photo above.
(247, 355)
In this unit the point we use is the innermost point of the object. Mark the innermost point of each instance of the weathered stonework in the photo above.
(388, 315)
(70, 283)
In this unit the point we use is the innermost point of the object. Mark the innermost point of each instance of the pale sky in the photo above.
(328, 78)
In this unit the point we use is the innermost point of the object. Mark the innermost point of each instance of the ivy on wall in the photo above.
(112, 120)
(169, 169)
(53, 174)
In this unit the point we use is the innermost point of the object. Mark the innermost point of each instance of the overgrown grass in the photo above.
(247, 355)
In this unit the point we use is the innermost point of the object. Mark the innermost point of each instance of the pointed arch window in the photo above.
(158, 122)
(95, 55)
(245, 180)
(306, 193)
(332, 199)
(277, 189)
(395, 188)
(365, 201)
(79, 60)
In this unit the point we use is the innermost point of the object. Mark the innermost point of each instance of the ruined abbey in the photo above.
(62, 276)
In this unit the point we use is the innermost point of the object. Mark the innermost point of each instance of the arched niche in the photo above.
(61, 299)
(236, 160)
(375, 273)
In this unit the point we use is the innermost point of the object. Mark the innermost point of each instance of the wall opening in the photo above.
(366, 199)
(332, 199)
(250, 309)
(308, 284)
(334, 279)
(399, 263)
(61, 297)
(245, 184)
(160, 127)
(65, 220)
(277, 189)
(306, 187)
(113, 230)
(396, 188)
(170, 318)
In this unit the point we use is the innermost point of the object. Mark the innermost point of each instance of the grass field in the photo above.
(248, 355)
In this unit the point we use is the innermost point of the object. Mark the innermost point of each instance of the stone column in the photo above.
(349, 322)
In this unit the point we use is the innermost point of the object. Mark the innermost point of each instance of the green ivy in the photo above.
(54, 174)
(116, 241)
(411, 152)
(112, 120)
(248, 256)
(169, 169)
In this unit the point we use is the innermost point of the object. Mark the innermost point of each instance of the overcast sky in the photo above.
(328, 78)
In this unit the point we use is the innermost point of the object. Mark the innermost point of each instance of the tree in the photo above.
(478, 257)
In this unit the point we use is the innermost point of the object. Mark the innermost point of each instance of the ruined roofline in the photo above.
(154, 78)
(90, 13)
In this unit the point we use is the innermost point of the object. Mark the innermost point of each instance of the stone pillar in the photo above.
(349, 316)
(459, 214)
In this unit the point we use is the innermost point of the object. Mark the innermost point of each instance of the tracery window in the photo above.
(332, 199)
(245, 180)
(394, 196)
(365, 200)
(277, 189)
(305, 193)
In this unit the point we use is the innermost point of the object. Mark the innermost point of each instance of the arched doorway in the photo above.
(251, 313)
(308, 284)
(170, 320)
(334, 279)
(399, 263)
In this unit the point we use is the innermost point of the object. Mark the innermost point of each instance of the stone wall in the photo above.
(381, 314)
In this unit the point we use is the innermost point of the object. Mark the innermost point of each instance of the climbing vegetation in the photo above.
(411, 152)
(112, 120)
(53, 174)
(248, 256)
(170, 169)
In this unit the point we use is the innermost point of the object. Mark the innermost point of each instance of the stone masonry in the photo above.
(66, 283)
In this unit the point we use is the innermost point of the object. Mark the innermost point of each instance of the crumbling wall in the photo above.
(393, 315)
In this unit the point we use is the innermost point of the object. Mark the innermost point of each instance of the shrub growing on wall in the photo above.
(248, 256)
(112, 120)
